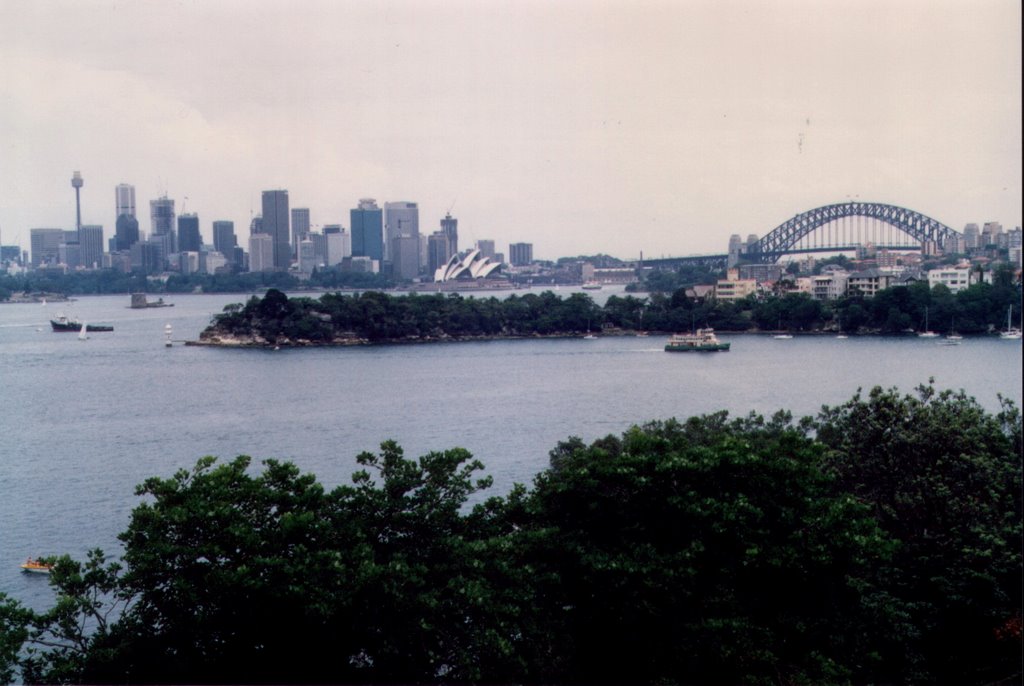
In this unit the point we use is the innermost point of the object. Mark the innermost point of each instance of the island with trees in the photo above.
(876, 542)
(377, 317)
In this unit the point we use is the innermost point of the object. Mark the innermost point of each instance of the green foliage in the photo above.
(943, 477)
(707, 552)
(878, 542)
(664, 281)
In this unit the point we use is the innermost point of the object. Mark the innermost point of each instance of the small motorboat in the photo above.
(34, 566)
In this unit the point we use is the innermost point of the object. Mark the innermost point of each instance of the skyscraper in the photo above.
(275, 223)
(161, 214)
(189, 238)
(126, 232)
(90, 246)
(338, 244)
(520, 254)
(367, 230)
(972, 237)
(300, 227)
(401, 220)
(45, 245)
(450, 227)
(438, 250)
(486, 247)
(224, 239)
(124, 200)
(261, 252)
(405, 256)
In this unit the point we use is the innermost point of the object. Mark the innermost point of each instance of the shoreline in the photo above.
(229, 341)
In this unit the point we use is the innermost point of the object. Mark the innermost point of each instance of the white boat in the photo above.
(1011, 333)
(927, 333)
(782, 336)
(82, 335)
(167, 335)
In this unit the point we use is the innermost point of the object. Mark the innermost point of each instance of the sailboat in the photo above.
(1012, 333)
(641, 331)
(839, 327)
(953, 336)
(82, 335)
(927, 333)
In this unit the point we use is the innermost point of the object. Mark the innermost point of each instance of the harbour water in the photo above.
(83, 422)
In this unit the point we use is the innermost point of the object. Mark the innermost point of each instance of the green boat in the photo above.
(702, 341)
(63, 323)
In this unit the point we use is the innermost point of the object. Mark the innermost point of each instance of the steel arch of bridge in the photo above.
(784, 238)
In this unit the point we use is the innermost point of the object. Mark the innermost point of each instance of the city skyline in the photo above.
(578, 127)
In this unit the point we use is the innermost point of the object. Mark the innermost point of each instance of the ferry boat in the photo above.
(64, 323)
(34, 566)
(591, 286)
(703, 340)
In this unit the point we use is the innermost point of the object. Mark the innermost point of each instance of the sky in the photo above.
(581, 126)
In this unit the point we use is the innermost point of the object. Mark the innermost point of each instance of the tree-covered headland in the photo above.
(373, 316)
(877, 542)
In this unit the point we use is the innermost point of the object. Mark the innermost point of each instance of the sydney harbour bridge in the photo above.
(834, 228)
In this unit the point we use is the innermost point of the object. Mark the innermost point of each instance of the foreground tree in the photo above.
(708, 551)
(943, 477)
(878, 542)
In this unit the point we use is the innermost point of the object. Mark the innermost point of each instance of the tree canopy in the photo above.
(877, 542)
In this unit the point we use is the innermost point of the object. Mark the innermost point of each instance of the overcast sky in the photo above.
(578, 126)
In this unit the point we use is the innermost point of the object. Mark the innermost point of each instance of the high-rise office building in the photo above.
(161, 214)
(990, 233)
(338, 244)
(438, 251)
(520, 254)
(126, 232)
(972, 236)
(401, 220)
(124, 200)
(450, 228)
(261, 252)
(300, 227)
(307, 255)
(45, 245)
(275, 223)
(69, 253)
(224, 239)
(90, 246)
(486, 247)
(189, 238)
(367, 230)
(405, 260)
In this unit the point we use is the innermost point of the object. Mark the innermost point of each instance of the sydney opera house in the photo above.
(469, 266)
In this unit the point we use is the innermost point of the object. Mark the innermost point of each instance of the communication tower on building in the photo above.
(76, 183)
